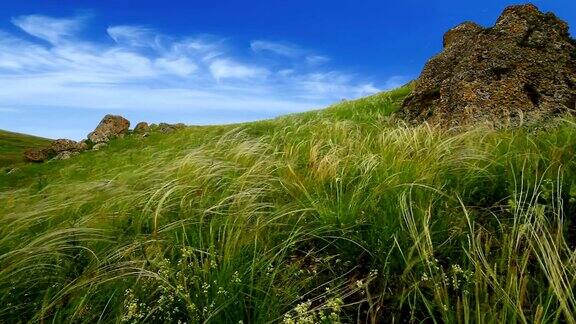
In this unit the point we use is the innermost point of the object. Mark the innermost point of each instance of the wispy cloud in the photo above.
(47, 28)
(143, 71)
(133, 36)
(283, 49)
(317, 59)
(228, 69)
(288, 50)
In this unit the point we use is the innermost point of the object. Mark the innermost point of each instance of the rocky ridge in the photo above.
(110, 127)
(521, 70)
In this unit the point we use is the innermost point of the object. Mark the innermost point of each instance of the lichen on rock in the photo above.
(110, 127)
(523, 69)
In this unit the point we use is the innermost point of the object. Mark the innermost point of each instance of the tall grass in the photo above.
(339, 215)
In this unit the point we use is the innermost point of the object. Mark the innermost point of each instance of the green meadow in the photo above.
(13, 145)
(339, 215)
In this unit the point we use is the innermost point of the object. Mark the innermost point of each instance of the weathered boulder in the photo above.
(110, 127)
(141, 128)
(83, 146)
(38, 154)
(63, 145)
(169, 128)
(166, 128)
(521, 70)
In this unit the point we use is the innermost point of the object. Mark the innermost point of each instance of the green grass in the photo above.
(13, 145)
(337, 215)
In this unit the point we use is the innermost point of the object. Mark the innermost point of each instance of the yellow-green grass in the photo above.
(13, 145)
(337, 215)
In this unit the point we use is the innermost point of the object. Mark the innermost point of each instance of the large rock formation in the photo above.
(110, 127)
(522, 69)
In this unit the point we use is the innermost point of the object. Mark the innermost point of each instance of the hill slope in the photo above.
(13, 145)
(338, 215)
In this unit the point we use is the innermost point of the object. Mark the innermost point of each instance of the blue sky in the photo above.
(64, 64)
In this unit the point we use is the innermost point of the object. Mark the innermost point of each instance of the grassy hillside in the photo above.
(339, 215)
(13, 145)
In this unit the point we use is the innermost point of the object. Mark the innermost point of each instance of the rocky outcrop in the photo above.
(66, 145)
(521, 70)
(38, 155)
(165, 128)
(141, 128)
(110, 127)
(63, 149)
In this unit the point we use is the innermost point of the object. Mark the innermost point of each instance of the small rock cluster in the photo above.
(111, 127)
(60, 149)
(523, 69)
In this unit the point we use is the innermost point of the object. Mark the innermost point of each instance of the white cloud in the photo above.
(333, 84)
(205, 48)
(283, 49)
(228, 69)
(47, 28)
(180, 66)
(317, 59)
(288, 50)
(135, 36)
(146, 73)
(395, 81)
